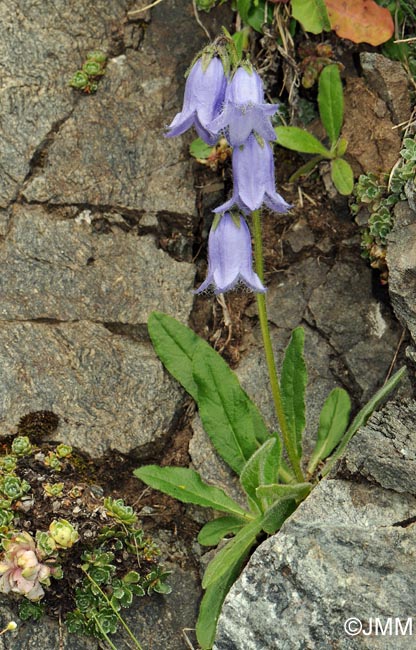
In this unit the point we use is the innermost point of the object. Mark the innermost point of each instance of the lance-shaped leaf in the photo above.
(283, 500)
(276, 515)
(210, 607)
(175, 345)
(342, 176)
(279, 492)
(293, 382)
(186, 485)
(362, 417)
(331, 101)
(214, 531)
(295, 139)
(224, 409)
(333, 422)
(232, 552)
(261, 468)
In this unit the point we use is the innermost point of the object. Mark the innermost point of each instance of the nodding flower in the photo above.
(253, 178)
(203, 101)
(230, 257)
(244, 110)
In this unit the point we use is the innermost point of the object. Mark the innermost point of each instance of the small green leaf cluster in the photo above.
(92, 70)
(103, 592)
(239, 434)
(21, 446)
(30, 610)
(375, 196)
(331, 111)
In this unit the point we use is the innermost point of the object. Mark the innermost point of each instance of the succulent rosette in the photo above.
(21, 571)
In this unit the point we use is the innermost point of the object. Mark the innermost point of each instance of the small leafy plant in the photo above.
(331, 111)
(93, 69)
(273, 488)
(375, 198)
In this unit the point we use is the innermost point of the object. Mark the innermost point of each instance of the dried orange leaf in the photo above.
(361, 21)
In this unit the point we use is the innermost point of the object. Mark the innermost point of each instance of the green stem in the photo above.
(268, 350)
(105, 635)
(120, 618)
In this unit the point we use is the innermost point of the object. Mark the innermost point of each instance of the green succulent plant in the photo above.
(63, 533)
(121, 513)
(12, 487)
(21, 446)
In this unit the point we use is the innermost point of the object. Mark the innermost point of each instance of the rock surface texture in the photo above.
(347, 553)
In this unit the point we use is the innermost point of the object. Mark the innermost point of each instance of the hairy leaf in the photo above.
(276, 515)
(214, 531)
(175, 344)
(231, 553)
(224, 408)
(186, 485)
(312, 15)
(333, 422)
(295, 139)
(210, 607)
(293, 382)
(261, 468)
(279, 492)
(342, 176)
(331, 101)
(361, 21)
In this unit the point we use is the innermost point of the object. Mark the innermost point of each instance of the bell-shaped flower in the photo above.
(203, 100)
(245, 110)
(230, 257)
(253, 177)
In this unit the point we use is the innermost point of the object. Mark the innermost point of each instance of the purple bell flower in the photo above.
(203, 100)
(245, 110)
(230, 258)
(254, 182)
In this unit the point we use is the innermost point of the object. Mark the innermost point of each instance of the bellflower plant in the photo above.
(244, 109)
(204, 96)
(229, 256)
(273, 486)
(253, 174)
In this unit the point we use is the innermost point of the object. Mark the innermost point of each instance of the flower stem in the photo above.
(268, 350)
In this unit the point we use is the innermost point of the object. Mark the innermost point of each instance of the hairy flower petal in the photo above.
(230, 257)
(203, 100)
(254, 182)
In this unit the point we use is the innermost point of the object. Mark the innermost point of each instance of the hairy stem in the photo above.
(268, 350)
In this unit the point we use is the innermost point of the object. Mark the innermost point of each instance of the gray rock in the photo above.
(401, 260)
(390, 81)
(391, 436)
(346, 552)
(41, 46)
(109, 391)
(359, 328)
(66, 270)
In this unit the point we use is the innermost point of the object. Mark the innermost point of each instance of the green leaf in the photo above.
(362, 417)
(293, 382)
(331, 101)
(253, 13)
(232, 552)
(312, 15)
(224, 409)
(214, 531)
(261, 468)
(279, 492)
(342, 176)
(295, 139)
(306, 168)
(333, 422)
(175, 344)
(186, 485)
(241, 40)
(210, 607)
(200, 150)
(276, 515)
